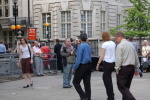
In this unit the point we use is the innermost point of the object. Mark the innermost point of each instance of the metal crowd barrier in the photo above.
(50, 59)
(8, 64)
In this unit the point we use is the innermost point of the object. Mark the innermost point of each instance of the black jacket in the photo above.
(57, 49)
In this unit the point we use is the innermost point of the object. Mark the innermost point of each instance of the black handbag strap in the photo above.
(29, 50)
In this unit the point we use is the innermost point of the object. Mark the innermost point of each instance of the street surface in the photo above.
(50, 88)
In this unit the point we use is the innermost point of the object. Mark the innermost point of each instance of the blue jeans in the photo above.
(67, 74)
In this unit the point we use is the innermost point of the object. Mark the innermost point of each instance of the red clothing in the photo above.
(46, 49)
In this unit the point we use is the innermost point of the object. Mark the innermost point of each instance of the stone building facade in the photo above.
(7, 19)
(68, 17)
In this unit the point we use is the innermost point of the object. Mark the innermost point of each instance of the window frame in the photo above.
(49, 28)
(103, 22)
(87, 22)
(65, 23)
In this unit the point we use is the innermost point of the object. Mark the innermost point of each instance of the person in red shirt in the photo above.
(45, 49)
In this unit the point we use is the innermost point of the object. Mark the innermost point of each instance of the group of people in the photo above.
(75, 58)
(122, 57)
(4, 47)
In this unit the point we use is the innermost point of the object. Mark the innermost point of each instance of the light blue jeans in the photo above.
(67, 74)
(38, 65)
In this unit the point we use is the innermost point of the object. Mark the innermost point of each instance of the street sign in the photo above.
(32, 33)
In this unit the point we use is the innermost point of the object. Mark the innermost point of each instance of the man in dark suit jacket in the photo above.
(57, 49)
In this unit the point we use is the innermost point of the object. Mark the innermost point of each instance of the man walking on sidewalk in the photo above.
(82, 68)
(127, 64)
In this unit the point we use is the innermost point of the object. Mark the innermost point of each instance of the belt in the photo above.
(128, 65)
(86, 64)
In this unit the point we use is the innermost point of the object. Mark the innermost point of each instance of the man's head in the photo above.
(38, 39)
(145, 42)
(57, 40)
(83, 37)
(67, 42)
(71, 39)
(119, 36)
(36, 43)
(130, 38)
(43, 44)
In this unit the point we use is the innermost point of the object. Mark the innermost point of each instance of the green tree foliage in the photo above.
(137, 20)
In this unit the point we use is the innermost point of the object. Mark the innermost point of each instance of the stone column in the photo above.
(11, 8)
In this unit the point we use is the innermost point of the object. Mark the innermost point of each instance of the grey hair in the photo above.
(120, 34)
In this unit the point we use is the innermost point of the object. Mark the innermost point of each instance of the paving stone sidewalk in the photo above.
(50, 88)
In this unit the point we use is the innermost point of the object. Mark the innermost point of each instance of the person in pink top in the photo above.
(45, 49)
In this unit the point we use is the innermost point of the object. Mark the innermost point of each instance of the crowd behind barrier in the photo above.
(8, 63)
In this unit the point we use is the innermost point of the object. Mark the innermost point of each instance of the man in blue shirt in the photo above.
(82, 68)
(2, 47)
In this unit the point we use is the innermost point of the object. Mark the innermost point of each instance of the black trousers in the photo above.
(124, 79)
(83, 73)
(59, 63)
(107, 79)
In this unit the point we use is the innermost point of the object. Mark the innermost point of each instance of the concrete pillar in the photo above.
(11, 8)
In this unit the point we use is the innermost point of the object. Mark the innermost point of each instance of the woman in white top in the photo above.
(146, 55)
(26, 58)
(108, 58)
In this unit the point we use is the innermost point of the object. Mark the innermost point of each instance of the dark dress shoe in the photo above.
(141, 75)
(26, 86)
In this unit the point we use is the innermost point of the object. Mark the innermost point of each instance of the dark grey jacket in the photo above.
(67, 53)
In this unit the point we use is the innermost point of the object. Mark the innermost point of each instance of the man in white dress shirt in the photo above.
(127, 64)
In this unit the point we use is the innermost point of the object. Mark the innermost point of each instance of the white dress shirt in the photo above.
(126, 55)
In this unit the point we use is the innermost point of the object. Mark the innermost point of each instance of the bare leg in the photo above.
(26, 79)
(29, 76)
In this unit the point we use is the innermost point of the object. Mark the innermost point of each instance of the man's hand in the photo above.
(117, 72)
(72, 53)
(136, 73)
(73, 71)
(97, 67)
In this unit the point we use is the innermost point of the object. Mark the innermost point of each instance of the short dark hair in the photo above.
(71, 39)
(83, 36)
(120, 34)
(57, 40)
(38, 39)
(130, 38)
(24, 40)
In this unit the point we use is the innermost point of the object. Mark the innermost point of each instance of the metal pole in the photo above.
(28, 13)
(46, 31)
(15, 18)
